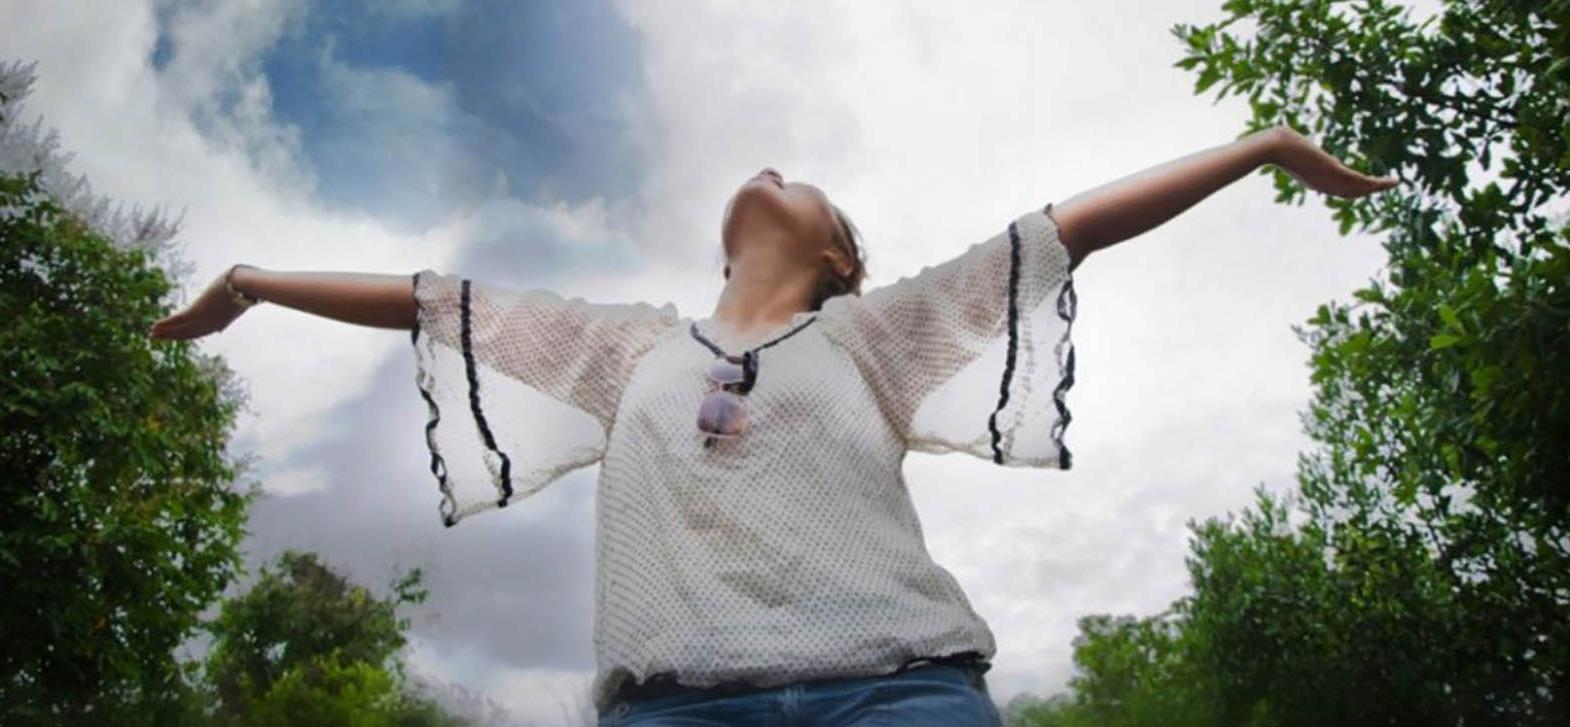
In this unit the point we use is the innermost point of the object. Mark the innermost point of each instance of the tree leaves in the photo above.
(1428, 576)
(116, 534)
(304, 644)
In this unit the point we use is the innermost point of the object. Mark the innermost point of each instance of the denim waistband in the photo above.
(665, 684)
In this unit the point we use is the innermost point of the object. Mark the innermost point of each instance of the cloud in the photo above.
(413, 117)
(394, 145)
(212, 79)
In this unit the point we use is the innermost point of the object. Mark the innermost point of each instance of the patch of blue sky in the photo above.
(413, 116)
(163, 45)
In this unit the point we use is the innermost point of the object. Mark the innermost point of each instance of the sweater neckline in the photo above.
(725, 338)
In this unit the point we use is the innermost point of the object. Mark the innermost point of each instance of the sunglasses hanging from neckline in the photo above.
(723, 413)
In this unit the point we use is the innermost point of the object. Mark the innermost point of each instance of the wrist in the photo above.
(237, 281)
(1273, 144)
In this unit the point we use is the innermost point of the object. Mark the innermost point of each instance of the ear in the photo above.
(836, 259)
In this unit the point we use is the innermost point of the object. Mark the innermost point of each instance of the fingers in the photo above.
(1385, 182)
(175, 327)
(176, 334)
(169, 322)
(1346, 182)
(161, 331)
(1371, 185)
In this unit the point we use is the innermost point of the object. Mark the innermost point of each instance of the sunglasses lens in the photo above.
(726, 372)
(722, 414)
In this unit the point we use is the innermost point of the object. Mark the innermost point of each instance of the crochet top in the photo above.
(793, 552)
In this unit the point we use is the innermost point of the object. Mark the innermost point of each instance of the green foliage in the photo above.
(327, 691)
(304, 646)
(1131, 673)
(121, 524)
(1421, 574)
(334, 691)
(1282, 616)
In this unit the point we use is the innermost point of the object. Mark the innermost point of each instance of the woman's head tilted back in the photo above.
(774, 223)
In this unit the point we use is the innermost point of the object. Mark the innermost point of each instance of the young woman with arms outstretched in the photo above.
(758, 558)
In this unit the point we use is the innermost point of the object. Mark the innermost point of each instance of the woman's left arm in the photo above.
(1127, 207)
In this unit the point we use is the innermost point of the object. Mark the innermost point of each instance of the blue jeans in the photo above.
(936, 694)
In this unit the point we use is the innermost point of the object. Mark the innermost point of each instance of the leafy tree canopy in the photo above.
(305, 646)
(121, 521)
(1420, 574)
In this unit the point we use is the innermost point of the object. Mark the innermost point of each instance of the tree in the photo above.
(121, 524)
(1421, 572)
(1438, 498)
(28, 149)
(1130, 672)
(304, 646)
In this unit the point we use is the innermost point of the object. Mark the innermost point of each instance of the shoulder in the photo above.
(835, 313)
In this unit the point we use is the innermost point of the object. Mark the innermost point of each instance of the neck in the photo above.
(765, 290)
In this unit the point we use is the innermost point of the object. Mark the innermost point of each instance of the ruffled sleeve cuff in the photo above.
(1009, 404)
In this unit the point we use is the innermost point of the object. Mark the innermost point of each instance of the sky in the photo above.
(589, 147)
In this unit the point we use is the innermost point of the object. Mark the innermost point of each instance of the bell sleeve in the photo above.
(521, 386)
(974, 354)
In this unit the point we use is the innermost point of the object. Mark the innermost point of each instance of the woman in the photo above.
(767, 563)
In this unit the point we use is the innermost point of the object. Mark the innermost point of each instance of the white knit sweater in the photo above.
(794, 552)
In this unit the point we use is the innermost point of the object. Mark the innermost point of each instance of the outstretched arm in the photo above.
(368, 299)
(1127, 207)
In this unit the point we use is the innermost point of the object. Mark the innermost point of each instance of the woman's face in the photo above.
(767, 202)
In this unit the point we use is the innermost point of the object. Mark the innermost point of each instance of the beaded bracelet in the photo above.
(242, 299)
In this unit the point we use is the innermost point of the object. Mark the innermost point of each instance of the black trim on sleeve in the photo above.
(1068, 301)
(1008, 368)
(1068, 304)
(448, 507)
(474, 398)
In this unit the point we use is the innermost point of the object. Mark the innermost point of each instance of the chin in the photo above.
(764, 183)
(759, 193)
(761, 199)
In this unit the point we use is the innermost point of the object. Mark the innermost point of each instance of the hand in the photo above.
(1313, 168)
(212, 311)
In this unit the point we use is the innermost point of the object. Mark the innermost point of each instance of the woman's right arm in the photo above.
(367, 299)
